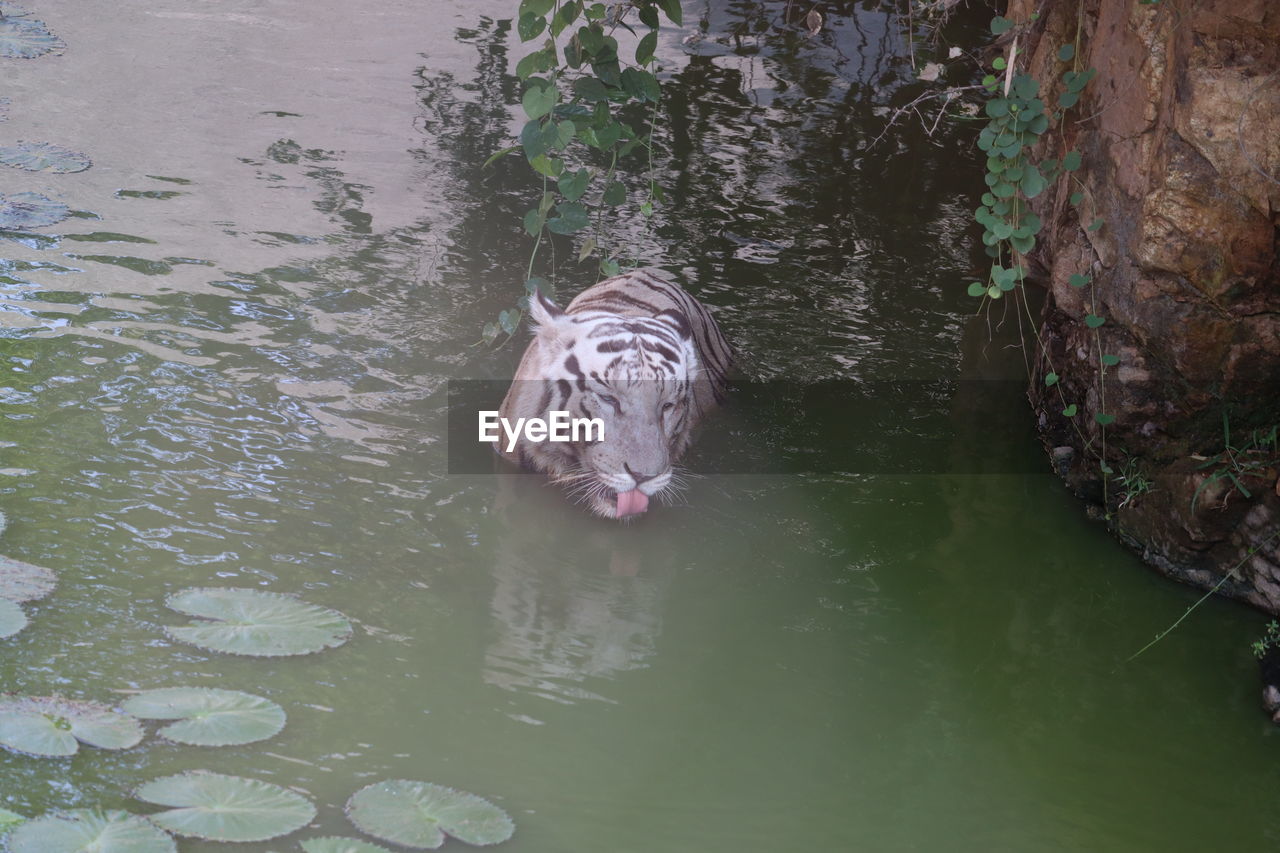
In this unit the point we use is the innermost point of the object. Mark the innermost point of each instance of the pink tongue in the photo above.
(633, 502)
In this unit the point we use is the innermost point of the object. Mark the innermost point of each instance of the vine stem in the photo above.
(1206, 596)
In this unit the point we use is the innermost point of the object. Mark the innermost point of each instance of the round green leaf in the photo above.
(1104, 419)
(1066, 52)
(225, 808)
(1068, 99)
(8, 819)
(571, 217)
(89, 831)
(1095, 224)
(29, 210)
(1110, 360)
(1070, 411)
(26, 39)
(420, 814)
(977, 288)
(1078, 280)
(529, 26)
(252, 622)
(12, 619)
(1077, 197)
(590, 89)
(573, 184)
(44, 157)
(1071, 162)
(21, 581)
(1000, 24)
(35, 734)
(51, 725)
(333, 844)
(1093, 321)
(1050, 379)
(539, 100)
(208, 716)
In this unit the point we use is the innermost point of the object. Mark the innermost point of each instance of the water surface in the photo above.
(229, 369)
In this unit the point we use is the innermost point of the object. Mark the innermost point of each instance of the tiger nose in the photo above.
(639, 478)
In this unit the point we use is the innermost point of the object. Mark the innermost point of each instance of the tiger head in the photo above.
(634, 374)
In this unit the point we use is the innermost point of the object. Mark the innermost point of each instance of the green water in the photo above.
(229, 370)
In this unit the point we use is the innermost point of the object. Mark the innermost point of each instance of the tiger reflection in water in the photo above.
(575, 602)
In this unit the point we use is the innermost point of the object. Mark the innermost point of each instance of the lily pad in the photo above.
(12, 619)
(252, 622)
(29, 210)
(89, 831)
(226, 808)
(420, 814)
(26, 38)
(208, 716)
(44, 157)
(21, 581)
(50, 726)
(334, 844)
(8, 820)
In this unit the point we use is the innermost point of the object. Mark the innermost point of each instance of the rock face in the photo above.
(1180, 137)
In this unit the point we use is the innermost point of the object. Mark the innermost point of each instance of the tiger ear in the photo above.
(548, 319)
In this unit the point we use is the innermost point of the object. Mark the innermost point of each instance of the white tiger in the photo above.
(640, 354)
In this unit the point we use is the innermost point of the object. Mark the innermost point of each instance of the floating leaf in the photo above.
(252, 622)
(930, 72)
(51, 725)
(208, 716)
(26, 39)
(333, 844)
(225, 808)
(420, 814)
(21, 581)
(8, 820)
(44, 157)
(89, 831)
(29, 210)
(12, 619)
